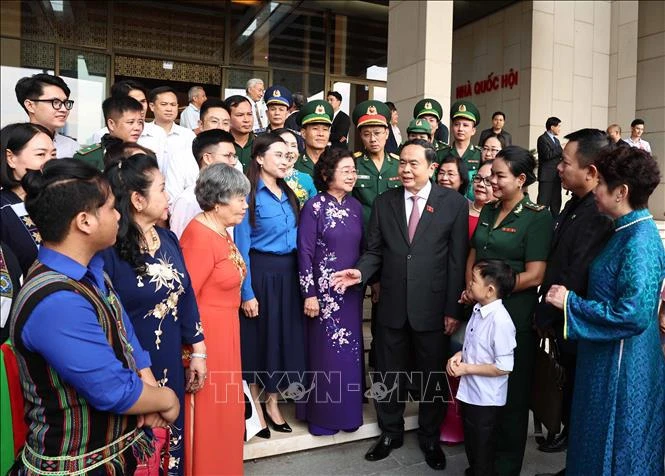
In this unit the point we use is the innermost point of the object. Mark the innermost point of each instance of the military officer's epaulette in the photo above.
(89, 148)
(393, 156)
(357, 155)
(534, 206)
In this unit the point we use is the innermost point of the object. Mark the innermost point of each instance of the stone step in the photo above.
(300, 439)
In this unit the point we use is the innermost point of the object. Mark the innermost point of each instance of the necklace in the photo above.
(648, 217)
(477, 210)
(213, 226)
(152, 244)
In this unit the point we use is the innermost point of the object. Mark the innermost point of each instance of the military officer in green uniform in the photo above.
(464, 117)
(517, 231)
(124, 120)
(377, 169)
(242, 122)
(419, 129)
(431, 110)
(314, 120)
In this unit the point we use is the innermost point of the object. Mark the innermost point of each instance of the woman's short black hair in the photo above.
(60, 191)
(633, 167)
(15, 137)
(462, 170)
(324, 170)
(498, 273)
(498, 137)
(519, 161)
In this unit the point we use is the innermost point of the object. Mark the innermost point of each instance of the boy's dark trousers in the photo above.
(480, 424)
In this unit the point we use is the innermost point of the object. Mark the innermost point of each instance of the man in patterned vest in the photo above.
(90, 397)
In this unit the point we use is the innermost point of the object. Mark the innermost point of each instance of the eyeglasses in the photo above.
(493, 150)
(479, 178)
(372, 134)
(57, 103)
(347, 172)
(229, 156)
(444, 174)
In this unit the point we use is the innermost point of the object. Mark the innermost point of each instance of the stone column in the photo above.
(419, 55)
(650, 97)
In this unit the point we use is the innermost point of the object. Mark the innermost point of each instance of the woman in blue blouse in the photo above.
(148, 272)
(272, 329)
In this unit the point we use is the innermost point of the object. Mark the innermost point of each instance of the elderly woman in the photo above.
(492, 146)
(452, 173)
(148, 272)
(24, 147)
(618, 418)
(217, 270)
(482, 194)
(329, 239)
(300, 182)
(272, 326)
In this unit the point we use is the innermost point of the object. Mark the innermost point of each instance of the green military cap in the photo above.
(371, 113)
(419, 126)
(465, 109)
(317, 111)
(428, 106)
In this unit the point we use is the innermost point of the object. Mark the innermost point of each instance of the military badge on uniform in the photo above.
(462, 108)
(428, 105)
(320, 109)
(371, 110)
(276, 93)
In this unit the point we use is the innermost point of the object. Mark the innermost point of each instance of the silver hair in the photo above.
(253, 82)
(192, 92)
(218, 184)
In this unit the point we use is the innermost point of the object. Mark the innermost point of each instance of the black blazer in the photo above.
(580, 233)
(422, 281)
(391, 144)
(549, 156)
(340, 128)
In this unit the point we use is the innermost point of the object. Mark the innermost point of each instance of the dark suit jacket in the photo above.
(391, 143)
(442, 133)
(549, 156)
(340, 128)
(421, 281)
(580, 232)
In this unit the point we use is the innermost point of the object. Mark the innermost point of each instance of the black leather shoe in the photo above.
(558, 444)
(264, 433)
(434, 456)
(382, 448)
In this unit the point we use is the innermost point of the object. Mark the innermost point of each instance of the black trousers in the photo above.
(480, 431)
(394, 350)
(549, 194)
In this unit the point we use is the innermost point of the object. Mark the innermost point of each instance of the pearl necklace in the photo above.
(648, 217)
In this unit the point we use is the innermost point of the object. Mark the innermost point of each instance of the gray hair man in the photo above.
(189, 117)
(255, 90)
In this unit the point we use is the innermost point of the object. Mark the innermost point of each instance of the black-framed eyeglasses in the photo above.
(479, 178)
(57, 103)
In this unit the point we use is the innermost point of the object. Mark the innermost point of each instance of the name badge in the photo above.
(363, 177)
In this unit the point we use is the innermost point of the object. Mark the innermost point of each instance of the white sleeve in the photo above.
(504, 342)
(183, 212)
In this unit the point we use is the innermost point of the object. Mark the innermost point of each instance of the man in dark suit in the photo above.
(339, 131)
(498, 121)
(418, 236)
(580, 232)
(549, 155)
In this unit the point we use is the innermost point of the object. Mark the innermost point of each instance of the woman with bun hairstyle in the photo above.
(517, 231)
(148, 272)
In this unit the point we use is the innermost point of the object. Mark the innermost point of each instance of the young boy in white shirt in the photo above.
(484, 363)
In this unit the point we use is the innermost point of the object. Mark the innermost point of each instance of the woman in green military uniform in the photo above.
(518, 231)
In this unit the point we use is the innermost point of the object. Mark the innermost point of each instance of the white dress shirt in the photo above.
(174, 156)
(185, 208)
(639, 143)
(262, 108)
(65, 147)
(489, 339)
(97, 136)
(189, 117)
(397, 133)
(423, 194)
